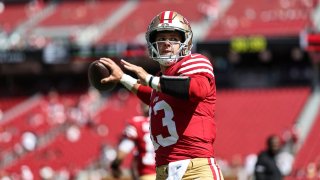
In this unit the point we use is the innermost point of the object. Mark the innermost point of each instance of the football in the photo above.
(96, 72)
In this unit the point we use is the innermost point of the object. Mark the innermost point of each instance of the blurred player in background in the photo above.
(181, 97)
(137, 134)
(266, 166)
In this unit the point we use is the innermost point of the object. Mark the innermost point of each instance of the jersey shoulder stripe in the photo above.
(196, 64)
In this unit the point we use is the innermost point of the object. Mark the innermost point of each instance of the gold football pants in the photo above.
(198, 169)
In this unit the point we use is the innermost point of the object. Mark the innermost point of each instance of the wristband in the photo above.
(152, 81)
(149, 79)
(128, 81)
(155, 83)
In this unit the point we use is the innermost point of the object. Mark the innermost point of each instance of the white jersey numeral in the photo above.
(166, 122)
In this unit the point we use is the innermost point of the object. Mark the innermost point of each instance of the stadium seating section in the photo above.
(246, 116)
(137, 22)
(9, 102)
(74, 13)
(247, 17)
(62, 152)
(268, 18)
(13, 16)
(309, 152)
(243, 117)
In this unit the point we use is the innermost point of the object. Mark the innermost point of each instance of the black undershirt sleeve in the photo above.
(177, 86)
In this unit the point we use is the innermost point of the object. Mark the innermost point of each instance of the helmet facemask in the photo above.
(168, 60)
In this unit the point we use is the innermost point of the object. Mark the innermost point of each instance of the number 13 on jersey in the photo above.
(167, 122)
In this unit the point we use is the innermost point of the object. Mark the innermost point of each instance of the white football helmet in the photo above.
(169, 21)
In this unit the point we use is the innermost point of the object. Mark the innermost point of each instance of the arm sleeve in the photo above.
(199, 87)
(144, 93)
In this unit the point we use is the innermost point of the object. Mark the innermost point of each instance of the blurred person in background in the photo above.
(137, 134)
(266, 167)
(249, 165)
(26, 173)
(29, 141)
(181, 97)
(55, 109)
(285, 160)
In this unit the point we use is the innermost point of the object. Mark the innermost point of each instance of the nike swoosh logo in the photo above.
(193, 56)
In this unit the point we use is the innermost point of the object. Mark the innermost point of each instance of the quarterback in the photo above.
(181, 99)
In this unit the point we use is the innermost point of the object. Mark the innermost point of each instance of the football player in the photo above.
(182, 98)
(137, 134)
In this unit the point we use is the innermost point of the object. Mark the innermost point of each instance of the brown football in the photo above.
(96, 72)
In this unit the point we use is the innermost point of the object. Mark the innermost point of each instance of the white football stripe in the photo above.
(195, 65)
(196, 60)
(166, 16)
(215, 168)
(199, 71)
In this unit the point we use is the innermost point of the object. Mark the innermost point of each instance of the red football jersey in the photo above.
(184, 129)
(138, 130)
